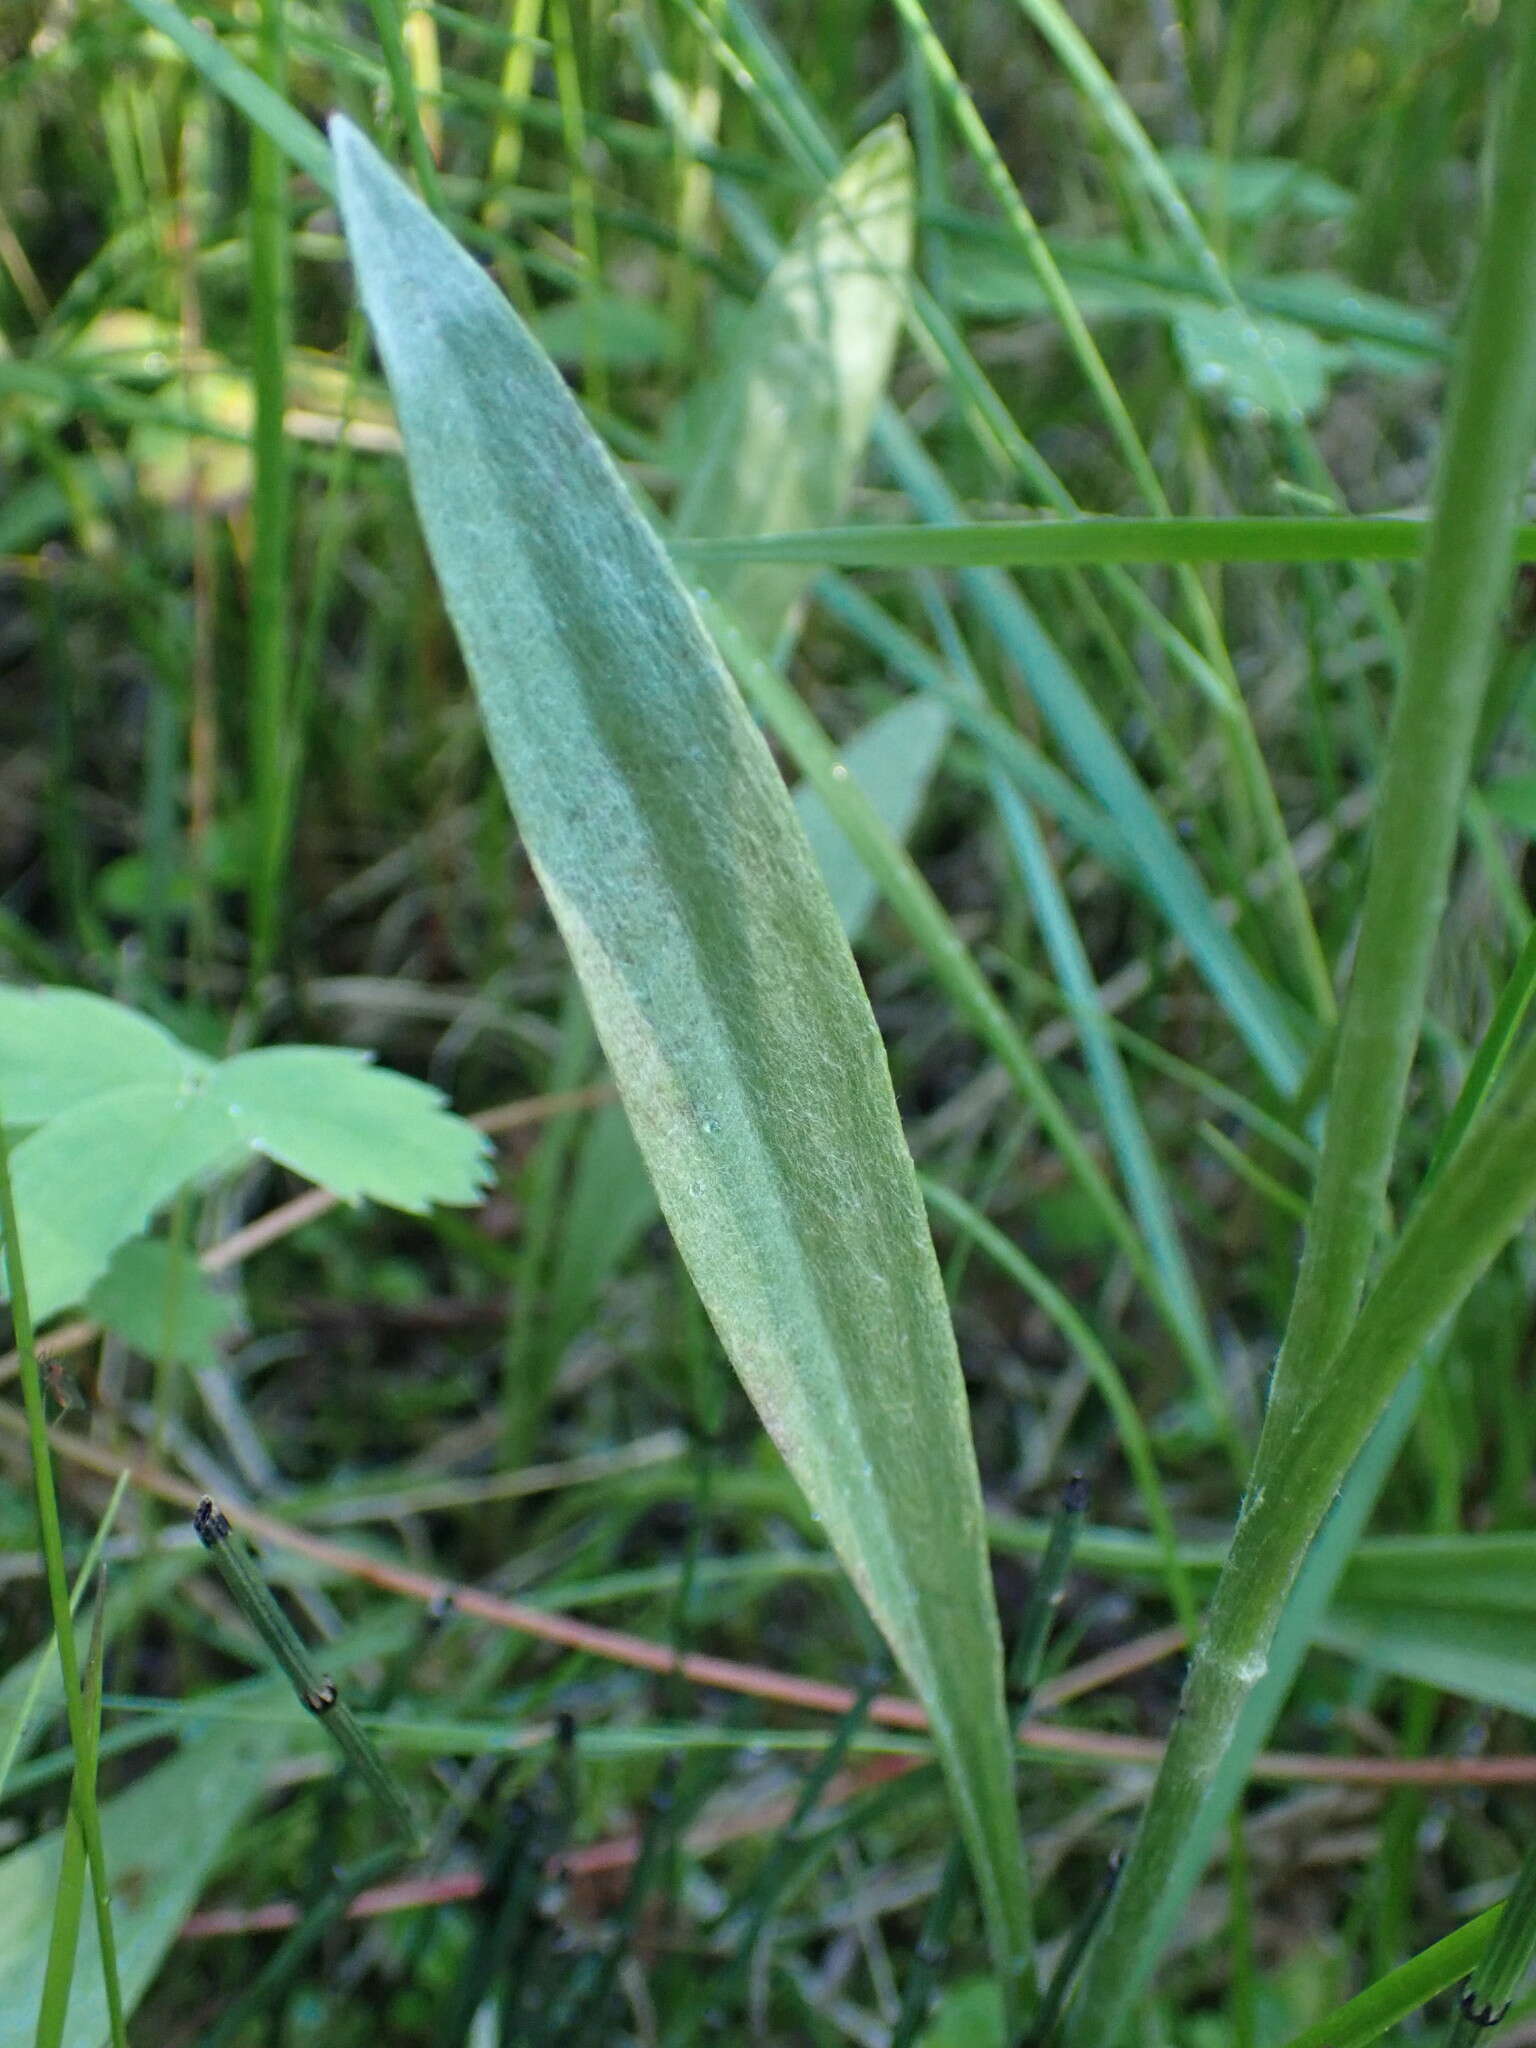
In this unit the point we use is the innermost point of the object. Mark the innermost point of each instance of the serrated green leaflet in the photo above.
(717, 976)
(331, 1115)
(61, 1046)
(98, 1082)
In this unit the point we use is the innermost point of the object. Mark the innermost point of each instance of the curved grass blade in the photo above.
(718, 979)
(1093, 542)
(1366, 2017)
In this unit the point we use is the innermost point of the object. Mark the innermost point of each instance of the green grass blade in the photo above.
(1258, 1014)
(163, 1838)
(1479, 1200)
(1514, 1001)
(69, 1895)
(1101, 1369)
(1089, 543)
(388, 28)
(1489, 437)
(243, 88)
(83, 1741)
(273, 771)
(1366, 2018)
(1148, 1196)
(318, 1694)
(716, 974)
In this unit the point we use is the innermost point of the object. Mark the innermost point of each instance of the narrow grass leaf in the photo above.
(1101, 1370)
(720, 983)
(1088, 543)
(1258, 1013)
(243, 88)
(1366, 2018)
(30, 1690)
(1337, 1368)
(317, 1693)
(59, 1970)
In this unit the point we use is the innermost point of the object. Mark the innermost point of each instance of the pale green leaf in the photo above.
(611, 1201)
(1513, 802)
(158, 1300)
(88, 1180)
(1253, 368)
(60, 1046)
(1254, 188)
(969, 2015)
(892, 759)
(787, 430)
(1476, 1653)
(329, 1114)
(718, 979)
(163, 1837)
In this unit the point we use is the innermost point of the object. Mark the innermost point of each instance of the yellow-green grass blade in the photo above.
(715, 970)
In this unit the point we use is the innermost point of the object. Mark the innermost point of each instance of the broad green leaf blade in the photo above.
(328, 1113)
(61, 1046)
(611, 1201)
(789, 425)
(719, 982)
(163, 1837)
(91, 1178)
(157, 1299)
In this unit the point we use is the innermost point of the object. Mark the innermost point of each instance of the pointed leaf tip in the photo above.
(716, 973)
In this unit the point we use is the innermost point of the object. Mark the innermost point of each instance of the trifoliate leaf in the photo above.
(61, 1046)
(328, 1113)
(159, 1301)
(92, 1178)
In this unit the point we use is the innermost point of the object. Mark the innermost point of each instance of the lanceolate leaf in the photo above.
(718, 979)
(787, 431)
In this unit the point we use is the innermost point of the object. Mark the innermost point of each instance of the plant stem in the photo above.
(1480, 1199)
(272, 771)
(52, 1534)
(1328, 1391)
(1465, 585)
